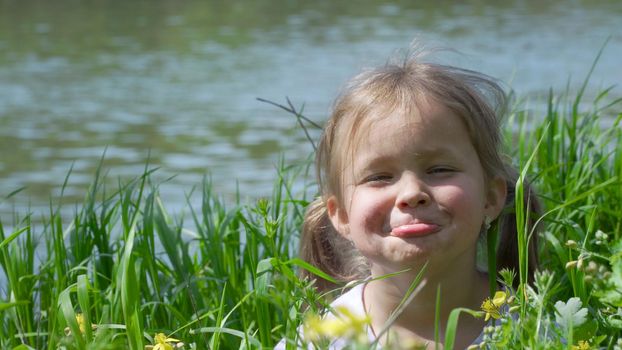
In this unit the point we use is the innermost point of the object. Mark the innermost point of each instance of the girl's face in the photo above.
(414, 190)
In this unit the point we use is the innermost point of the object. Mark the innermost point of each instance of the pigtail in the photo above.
(323, 247)
(507, 250)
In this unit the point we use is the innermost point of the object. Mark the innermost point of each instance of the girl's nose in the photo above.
(413, 193)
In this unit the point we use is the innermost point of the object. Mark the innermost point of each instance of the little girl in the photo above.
(411, 174)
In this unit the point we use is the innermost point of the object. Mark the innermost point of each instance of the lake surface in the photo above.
(178, 81)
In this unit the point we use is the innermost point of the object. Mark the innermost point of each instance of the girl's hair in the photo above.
(477, 99)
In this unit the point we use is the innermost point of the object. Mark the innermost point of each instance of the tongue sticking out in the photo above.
(414, 230)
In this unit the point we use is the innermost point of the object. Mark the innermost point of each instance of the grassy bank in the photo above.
(123, 270)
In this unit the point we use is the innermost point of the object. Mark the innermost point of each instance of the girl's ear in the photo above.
(338, 216)
(495, 198)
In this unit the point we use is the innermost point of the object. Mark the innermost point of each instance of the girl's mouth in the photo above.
(414, 230)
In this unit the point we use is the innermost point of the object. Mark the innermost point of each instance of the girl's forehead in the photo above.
(381, 122)
(422, 129)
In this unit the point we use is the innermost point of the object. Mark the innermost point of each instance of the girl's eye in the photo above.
(378, 178)
(441, 170)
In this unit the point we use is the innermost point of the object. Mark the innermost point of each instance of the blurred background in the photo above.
(178, 81)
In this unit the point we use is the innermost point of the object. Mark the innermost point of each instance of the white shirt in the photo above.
(353, 300)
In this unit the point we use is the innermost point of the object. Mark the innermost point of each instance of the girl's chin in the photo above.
(403, 255)
(410, 250)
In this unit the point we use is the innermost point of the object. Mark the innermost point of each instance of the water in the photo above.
(177, 81)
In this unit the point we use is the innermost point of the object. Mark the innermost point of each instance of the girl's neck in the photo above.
(459, 287)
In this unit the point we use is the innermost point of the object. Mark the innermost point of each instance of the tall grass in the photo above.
(123, 269)
(574, 162)
(132, 271)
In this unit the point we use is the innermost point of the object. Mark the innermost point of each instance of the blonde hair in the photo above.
(477, 99)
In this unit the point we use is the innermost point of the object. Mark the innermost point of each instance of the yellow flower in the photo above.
(162, 342)
(81, 323)
(357, 324)
(582, 345)
(492, 307)
(343, 325)
(313, 327)
(80, 320)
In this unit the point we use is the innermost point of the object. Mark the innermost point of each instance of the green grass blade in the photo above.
(69, 315)
(85, 305)
(452, 325)
(13, 236)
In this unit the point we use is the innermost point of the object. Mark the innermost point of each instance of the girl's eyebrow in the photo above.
(431, 152)
(379, 159)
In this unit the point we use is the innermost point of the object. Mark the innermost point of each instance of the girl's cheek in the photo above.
(377, 212)
(454, 194)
